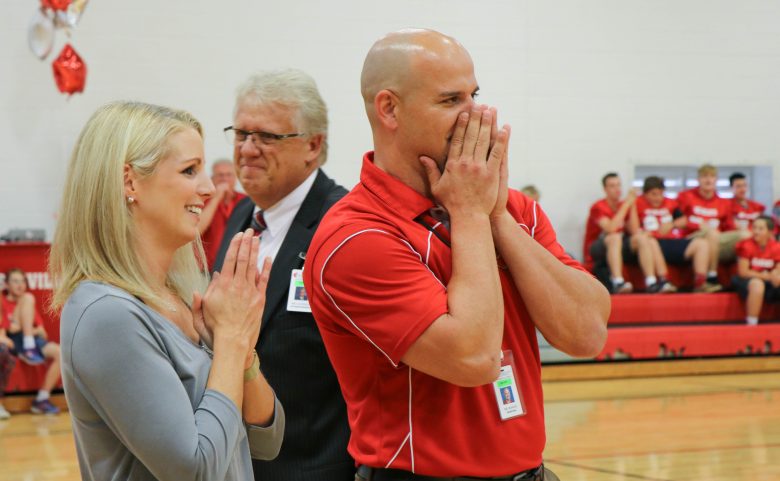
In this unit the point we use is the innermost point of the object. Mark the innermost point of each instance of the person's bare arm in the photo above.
(619, 220)
(633, 226)
(463, 346)
(232, 310)
(665, 228)
(568, 306)
(744, 270)
(774, 276)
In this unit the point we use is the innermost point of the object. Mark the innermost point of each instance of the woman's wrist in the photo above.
(232, 343)
(253, 369)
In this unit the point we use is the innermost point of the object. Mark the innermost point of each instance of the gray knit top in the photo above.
(136, 389)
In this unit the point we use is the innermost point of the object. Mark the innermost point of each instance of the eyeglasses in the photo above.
(237, 137)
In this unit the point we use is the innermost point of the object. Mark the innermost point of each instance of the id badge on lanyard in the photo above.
(297, 299)
(509, 397)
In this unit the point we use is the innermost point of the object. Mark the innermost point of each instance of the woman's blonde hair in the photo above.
(95, 230)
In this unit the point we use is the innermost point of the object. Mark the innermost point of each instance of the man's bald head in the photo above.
(393, 61)
(415, 84)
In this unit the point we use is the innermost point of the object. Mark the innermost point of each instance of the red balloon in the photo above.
(70, 72)
(56, 4)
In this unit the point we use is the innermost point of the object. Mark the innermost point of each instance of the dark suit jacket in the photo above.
(293, 358)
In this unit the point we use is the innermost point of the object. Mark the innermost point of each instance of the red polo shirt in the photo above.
(376, 280)
(212, 238)
(698, 210)
(651, 218)
(599, 210)
(742, 216)
(761, 259)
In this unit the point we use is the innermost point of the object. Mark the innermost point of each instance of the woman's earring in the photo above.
(130, 199)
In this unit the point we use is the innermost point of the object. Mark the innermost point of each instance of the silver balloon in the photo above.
(70, 17)
(40, 34)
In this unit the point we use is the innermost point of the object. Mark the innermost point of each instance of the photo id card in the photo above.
(297, 299)
(509, 398)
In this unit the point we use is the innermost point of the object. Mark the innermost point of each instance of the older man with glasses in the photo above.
(279, 138)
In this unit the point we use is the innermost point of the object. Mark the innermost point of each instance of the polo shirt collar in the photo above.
(399, 197)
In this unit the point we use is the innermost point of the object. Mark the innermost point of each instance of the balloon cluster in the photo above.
(70, 72)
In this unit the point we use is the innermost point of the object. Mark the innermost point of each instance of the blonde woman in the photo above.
(146, 398)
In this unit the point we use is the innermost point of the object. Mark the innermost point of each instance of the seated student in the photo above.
(22, 319)
(743, 210)
(707, 215)
(657, 216)
(7, 362)
(758, 268)
(531, 191)
(606, 244)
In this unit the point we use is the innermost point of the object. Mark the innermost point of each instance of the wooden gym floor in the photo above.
(705, 427)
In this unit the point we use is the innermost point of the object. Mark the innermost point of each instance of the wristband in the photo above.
(254, 370)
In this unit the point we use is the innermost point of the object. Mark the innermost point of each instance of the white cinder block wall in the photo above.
(588, 86)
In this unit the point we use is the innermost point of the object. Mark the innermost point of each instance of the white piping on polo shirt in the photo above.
(322, 282)
(411, 431)
(409, 437)
(430, 234)
(532, 230)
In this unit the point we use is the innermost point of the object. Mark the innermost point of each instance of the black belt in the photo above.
(377, 474)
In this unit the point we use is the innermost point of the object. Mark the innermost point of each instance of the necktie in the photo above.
(258, 223)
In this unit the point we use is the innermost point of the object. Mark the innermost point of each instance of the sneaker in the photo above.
(32, 357)
(4, 414)
(661, 287)
(709, 288)
(622, 288)
(44, 407)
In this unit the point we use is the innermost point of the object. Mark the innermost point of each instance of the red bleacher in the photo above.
(26, 379)
(646, 326)
(639, 309)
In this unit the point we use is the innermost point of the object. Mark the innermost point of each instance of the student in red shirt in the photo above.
(24, 326)
(705, 214)
(743, 210)
(758, 268)
(606, 243)
(657, 216)
(218, 208)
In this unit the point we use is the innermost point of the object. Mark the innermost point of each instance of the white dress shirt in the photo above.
(279, 217)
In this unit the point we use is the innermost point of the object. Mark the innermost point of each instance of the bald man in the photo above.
(427, 281)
